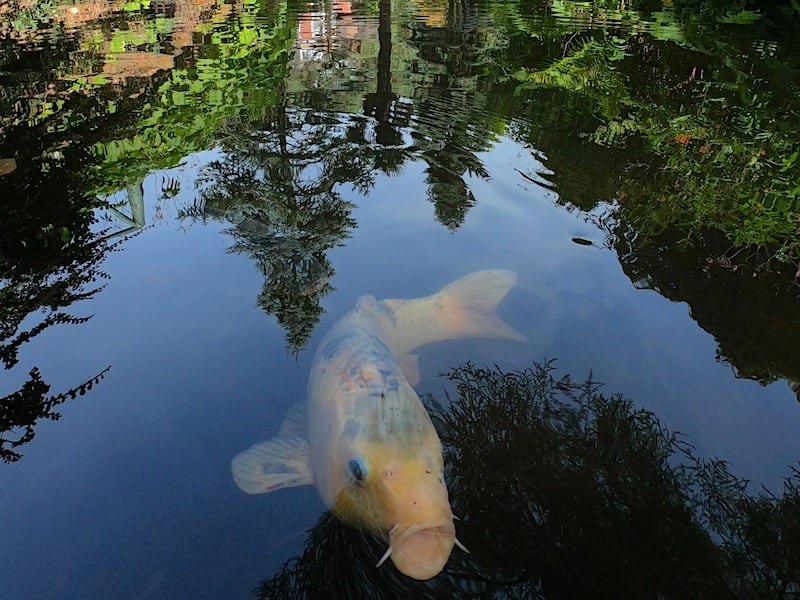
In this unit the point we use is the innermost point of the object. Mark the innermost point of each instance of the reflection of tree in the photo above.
(633, 159)
(755, 320)
(718, 125)
(447, 190)
(20, 410)
(459, 108)
(447, 160)
(276, 185)
(49, 260)
(454, 117)
(382, 102)
(566, 493)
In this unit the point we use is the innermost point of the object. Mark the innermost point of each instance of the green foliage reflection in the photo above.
(277, 187)
(49, 260)
(238, 73)
(563, 492)
(719, 137)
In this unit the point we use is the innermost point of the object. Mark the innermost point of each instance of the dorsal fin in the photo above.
(295, 423)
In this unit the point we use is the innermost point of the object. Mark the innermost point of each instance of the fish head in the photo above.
(402, 492)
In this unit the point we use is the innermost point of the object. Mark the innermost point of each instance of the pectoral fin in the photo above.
(277, 463)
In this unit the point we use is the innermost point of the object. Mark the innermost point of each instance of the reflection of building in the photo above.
(432, 12)
(141, 49)
(115, 41)
(347, 53)
(330, 34)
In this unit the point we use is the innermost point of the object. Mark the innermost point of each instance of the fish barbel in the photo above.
(366, 441)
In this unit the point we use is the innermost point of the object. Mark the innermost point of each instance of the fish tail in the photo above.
(464, 308)
(467, 305)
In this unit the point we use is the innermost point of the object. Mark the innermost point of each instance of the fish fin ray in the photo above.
(463, 308)
(468, 305)
(278, 463)
(409, 364)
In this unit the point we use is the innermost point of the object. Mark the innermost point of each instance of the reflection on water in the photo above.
(306, 133)
(277, 187)
(564, 492)
(753, 315)
(50, 260)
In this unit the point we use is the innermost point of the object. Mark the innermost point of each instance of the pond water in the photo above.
(207, 188)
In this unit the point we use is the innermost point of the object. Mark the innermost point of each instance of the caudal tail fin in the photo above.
(468, 305)
(463, 308)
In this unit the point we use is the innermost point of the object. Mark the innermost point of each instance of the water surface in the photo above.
(260, 167)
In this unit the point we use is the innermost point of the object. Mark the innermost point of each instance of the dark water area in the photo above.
(193, 193)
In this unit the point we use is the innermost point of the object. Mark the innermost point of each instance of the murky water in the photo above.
(193, 193)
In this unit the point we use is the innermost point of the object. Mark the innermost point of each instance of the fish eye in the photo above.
(358, 469)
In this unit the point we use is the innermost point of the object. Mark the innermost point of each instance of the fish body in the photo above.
(366, 441)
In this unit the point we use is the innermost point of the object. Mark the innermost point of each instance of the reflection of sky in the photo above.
(575, 303)
(129, 495)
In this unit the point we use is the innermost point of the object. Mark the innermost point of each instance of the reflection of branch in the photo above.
(9, 351)
(21, 410)
(566, 493)
(527, 177)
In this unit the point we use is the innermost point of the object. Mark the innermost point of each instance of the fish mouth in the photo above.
(421, 550)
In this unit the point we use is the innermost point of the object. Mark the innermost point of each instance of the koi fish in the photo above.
(365, 440)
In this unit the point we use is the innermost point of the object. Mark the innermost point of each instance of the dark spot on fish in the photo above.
(351, 429)
(582, 241)
(385, 371)
(428, 472)
(383, 395)
(357, 469)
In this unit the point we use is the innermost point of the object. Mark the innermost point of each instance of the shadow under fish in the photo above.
(365, 440)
